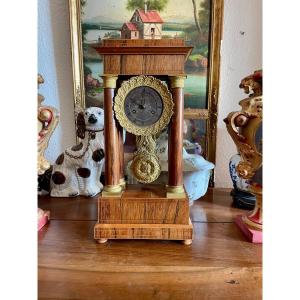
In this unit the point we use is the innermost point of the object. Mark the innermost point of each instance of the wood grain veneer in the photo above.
(144, 57)
(213, 207)
(143, 212)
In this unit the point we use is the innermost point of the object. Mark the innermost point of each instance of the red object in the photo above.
(252, 235)
(151, 16)
(131, 26)
(257, 75)
(43, 218)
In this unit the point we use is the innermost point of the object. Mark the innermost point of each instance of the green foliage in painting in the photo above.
(82, 4)
(199, 29)
(202, 18)
(204, 15)
(199, 33)
(85, 27)
(86, 70)
(88, 26)
(159, 5)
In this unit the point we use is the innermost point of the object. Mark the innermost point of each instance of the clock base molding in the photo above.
(105, 232)
(143, 212)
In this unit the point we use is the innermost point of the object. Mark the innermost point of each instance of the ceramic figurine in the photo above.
(47, 118)
(242, 198)
(196, 170)
(78, 169)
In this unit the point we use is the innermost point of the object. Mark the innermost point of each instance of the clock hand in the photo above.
(141, 106)
(143, 98)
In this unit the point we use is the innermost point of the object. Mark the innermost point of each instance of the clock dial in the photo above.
(143, 106)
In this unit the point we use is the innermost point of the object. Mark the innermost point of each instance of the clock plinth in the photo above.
(143, 211)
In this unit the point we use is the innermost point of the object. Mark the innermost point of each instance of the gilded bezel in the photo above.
(133, 83)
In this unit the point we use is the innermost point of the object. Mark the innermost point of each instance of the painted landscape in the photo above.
(189, 19)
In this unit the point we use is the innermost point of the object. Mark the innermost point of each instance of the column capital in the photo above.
(177, 81)
(109, 81)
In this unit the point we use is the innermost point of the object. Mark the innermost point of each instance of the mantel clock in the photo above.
(143, 93)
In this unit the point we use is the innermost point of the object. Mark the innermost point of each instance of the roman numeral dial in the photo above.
(143, 106)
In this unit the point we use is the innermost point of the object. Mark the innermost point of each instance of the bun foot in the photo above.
(101, 241)
(187, 242)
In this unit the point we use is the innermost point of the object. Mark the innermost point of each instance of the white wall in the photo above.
(55, 64)
(241, 55)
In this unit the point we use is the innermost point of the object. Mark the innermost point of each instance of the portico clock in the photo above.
(143, 83)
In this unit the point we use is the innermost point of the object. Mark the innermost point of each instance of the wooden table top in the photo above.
(220, 264)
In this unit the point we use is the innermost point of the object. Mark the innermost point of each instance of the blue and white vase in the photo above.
(242, 198)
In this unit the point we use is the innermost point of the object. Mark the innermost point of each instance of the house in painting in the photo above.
(130, 31)
(144, 24)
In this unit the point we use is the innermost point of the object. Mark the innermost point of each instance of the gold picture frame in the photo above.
(210, 115)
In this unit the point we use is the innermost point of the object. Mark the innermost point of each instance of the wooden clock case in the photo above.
(144, 211)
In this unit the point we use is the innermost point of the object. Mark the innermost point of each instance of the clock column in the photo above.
(175, 161)
(111, 139)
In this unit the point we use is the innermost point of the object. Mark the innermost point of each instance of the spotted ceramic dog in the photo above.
(77, 171)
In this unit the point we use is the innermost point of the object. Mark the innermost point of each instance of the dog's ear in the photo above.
(80, 125)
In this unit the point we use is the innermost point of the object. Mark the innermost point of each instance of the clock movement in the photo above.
(143, 84)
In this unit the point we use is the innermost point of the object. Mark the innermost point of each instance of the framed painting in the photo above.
(198, 22)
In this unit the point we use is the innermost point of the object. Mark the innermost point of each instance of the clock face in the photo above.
(143, 106)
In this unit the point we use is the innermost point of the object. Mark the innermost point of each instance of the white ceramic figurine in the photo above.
(77, 171)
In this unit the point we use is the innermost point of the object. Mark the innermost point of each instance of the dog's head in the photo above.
(92, 119)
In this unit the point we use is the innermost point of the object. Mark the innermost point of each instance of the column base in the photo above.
(122, 183)
(175, 191)
(112, 190)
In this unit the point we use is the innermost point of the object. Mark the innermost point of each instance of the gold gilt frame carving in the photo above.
(151, 82)
(210, 114)
(77, 53)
